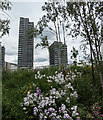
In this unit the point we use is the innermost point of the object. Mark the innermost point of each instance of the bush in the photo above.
(17, 84)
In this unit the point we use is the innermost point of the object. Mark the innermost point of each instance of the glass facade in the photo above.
(26, 44)
(58, 54)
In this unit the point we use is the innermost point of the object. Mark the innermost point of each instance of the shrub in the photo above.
(58, 103)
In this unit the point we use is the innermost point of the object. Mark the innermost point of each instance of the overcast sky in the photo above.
(31, 10)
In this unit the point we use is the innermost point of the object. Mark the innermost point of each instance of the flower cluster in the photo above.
(96, 111)
(57, 103)
(59, 77)
(39, 76)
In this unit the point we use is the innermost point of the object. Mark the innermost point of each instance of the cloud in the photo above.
(51, 35)
(29, 0)
(41, 55)
(14, 61)
(41, 59)
(11, 51)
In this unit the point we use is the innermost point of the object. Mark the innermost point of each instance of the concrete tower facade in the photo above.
(26, 44)
(2, 57)
(58, 54)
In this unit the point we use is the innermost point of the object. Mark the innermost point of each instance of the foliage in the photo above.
(12, 82)
(18, 84)
(96, 110)
(15, 85)
(75, 18)
(58, 102)
(74, 55)
(88, 94)
(87, 23)
(4, 22)
(54, 21)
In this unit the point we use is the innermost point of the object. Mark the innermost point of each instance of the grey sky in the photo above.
(31, 10)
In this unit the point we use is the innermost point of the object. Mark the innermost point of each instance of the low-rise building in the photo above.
(10, 66)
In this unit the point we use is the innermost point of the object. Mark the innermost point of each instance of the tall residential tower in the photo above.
(58, 54)
(2, 57)
(26, 44)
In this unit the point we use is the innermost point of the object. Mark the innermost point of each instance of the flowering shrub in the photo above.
(16, 86)
(96, 111)
(58, 103)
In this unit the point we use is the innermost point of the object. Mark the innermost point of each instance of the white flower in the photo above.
(69, 86)
(31, 102)
(74, 113)
(74, 108)
(56, 72)
(66, 116)
(40, 116)
(33, 84)
(26, 103)
(65, 112)
(78, 118)
(63, 92)
(49, 80)
(42, 98)
(24, 108)
(53, 91)
(63, 107)
(45, 117)
(28, 93)
(74, 94)
(47, 98)
(25, 99)
(53, 101)
(51, 97)
(68, 100)
(38, 72)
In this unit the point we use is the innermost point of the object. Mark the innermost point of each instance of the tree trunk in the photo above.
(101, 80)
(92, 68)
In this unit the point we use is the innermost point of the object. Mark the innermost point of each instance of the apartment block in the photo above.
(58, 54)
(2, 57)
(26, 44)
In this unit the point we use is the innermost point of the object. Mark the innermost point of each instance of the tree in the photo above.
(54, 21)
(4, 29)
(4, 21)
(74, 55)
(87, 23)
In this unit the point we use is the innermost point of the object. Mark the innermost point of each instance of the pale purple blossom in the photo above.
(35, 110)
(66, 116)
(75, 95)
(45, 105)
(41, 116)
